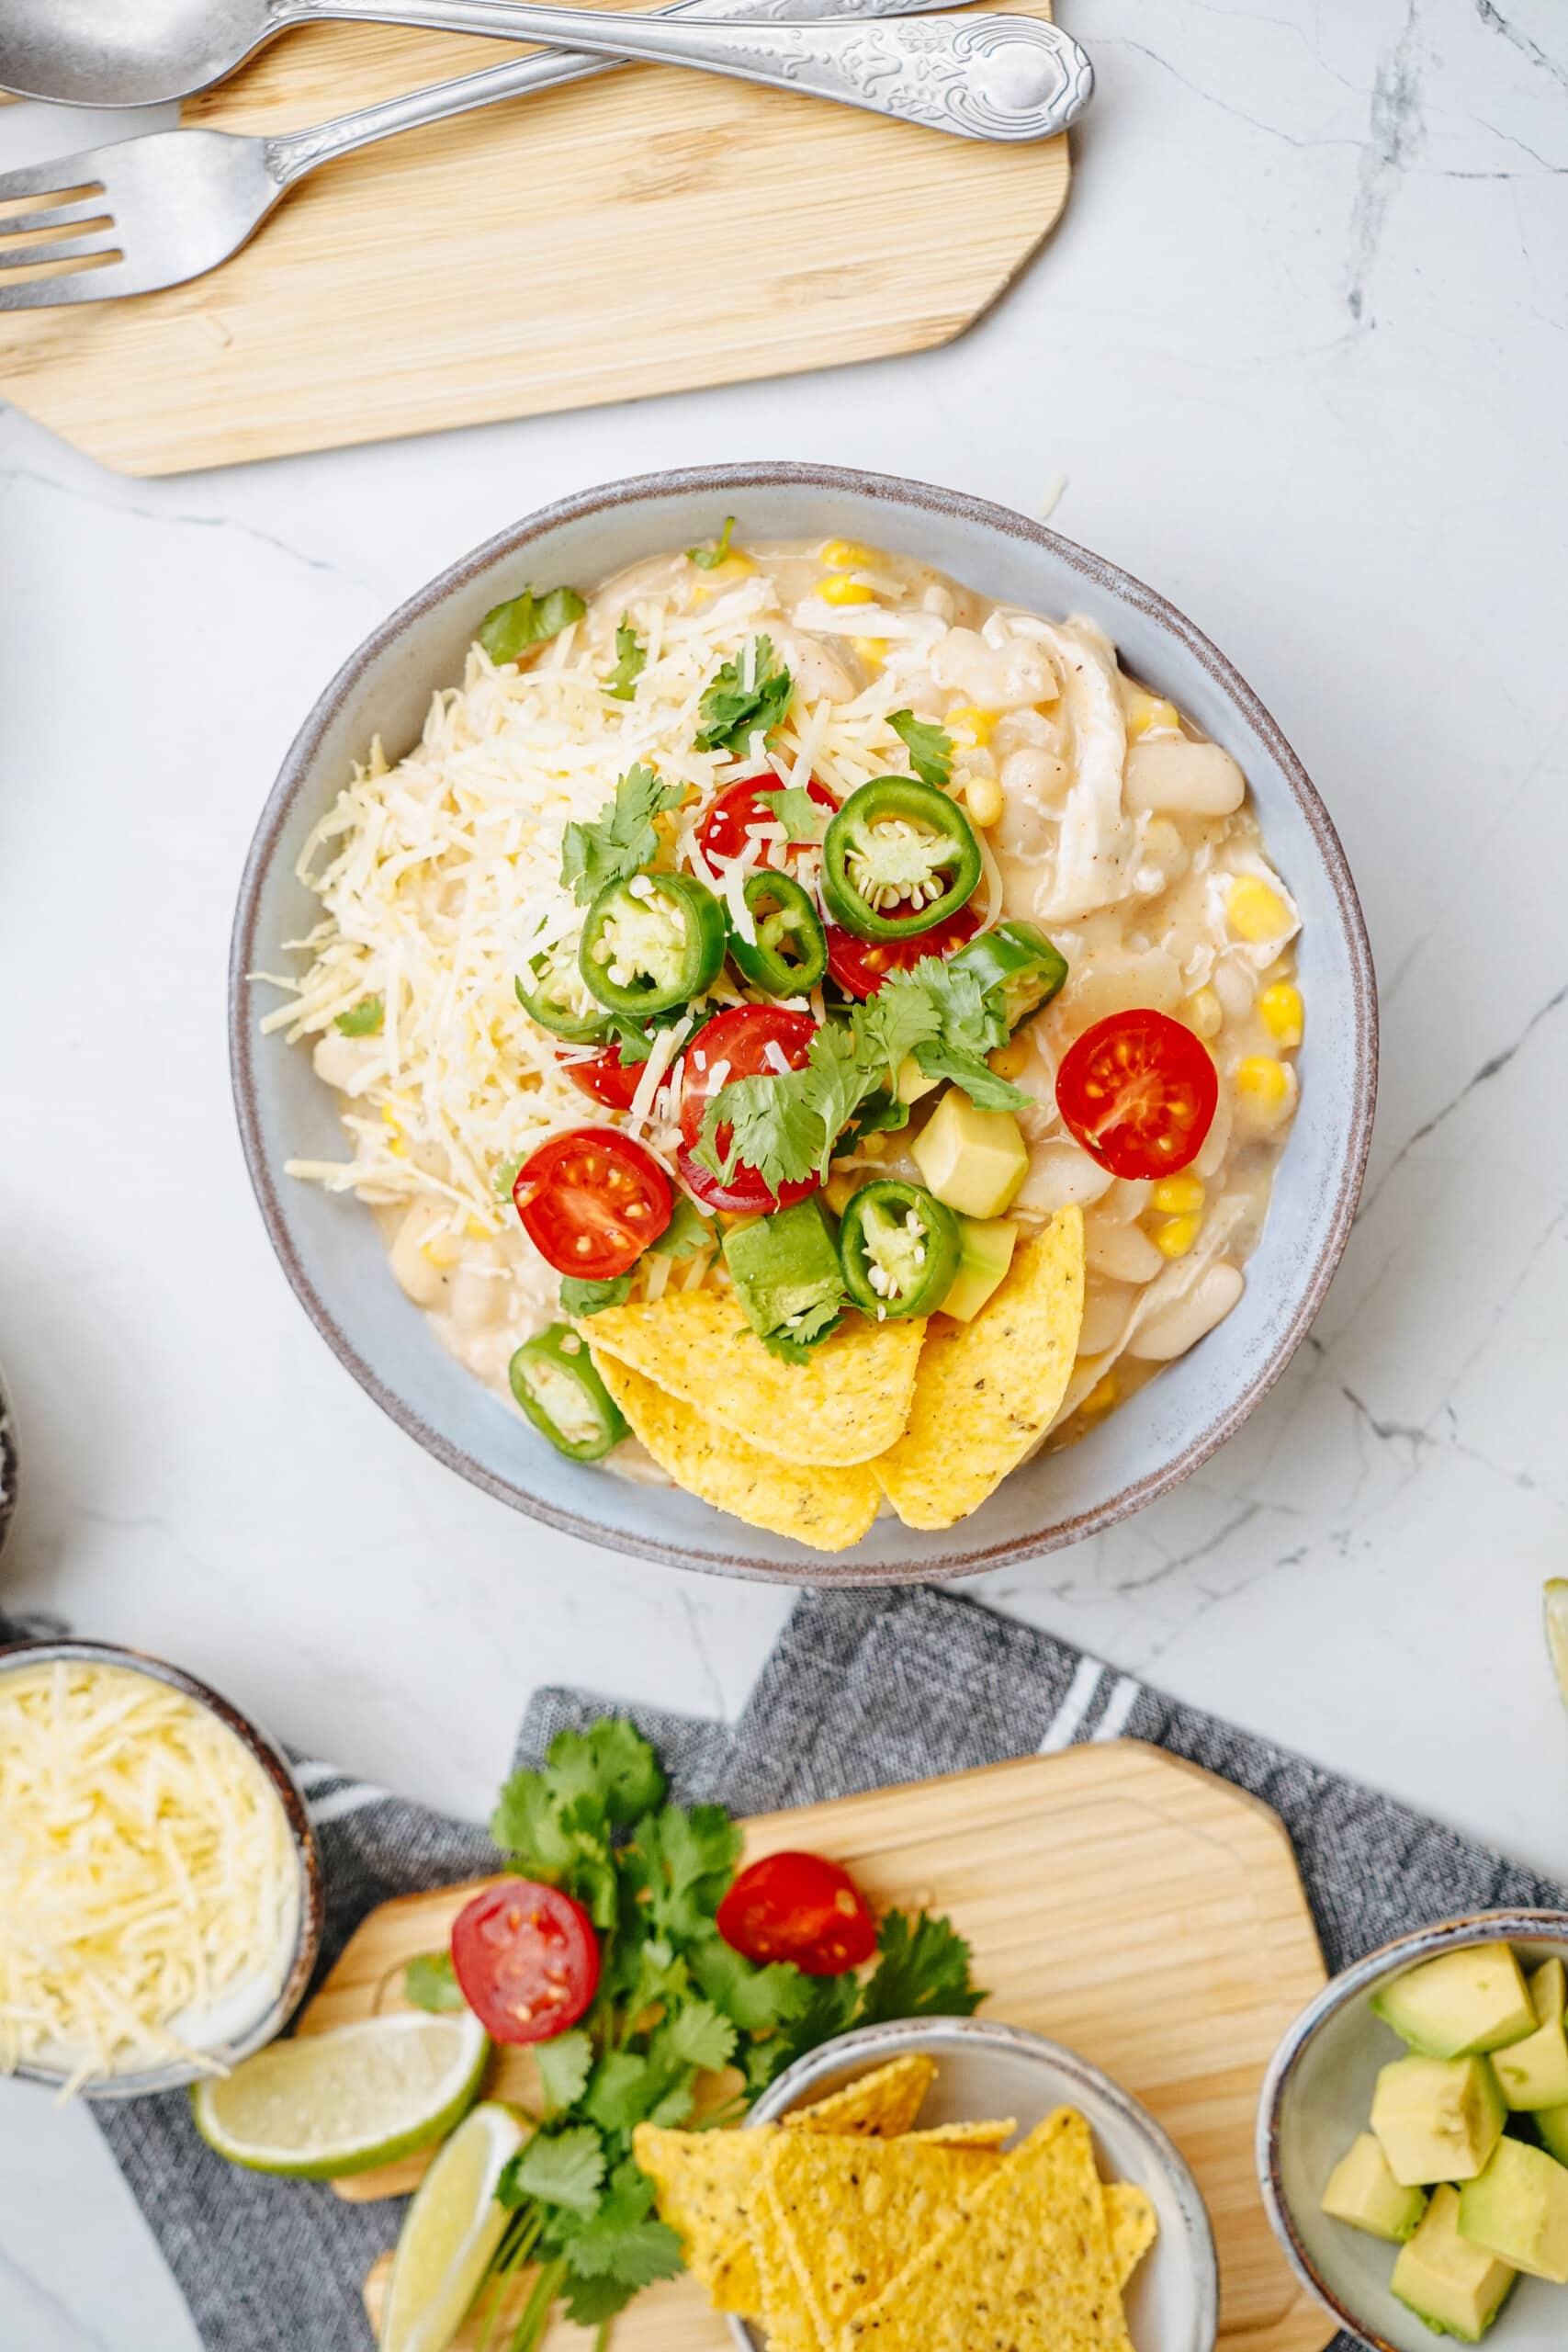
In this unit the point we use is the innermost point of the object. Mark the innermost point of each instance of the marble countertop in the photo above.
(1298, 350)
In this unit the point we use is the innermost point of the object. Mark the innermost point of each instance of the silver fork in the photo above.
(159, 209)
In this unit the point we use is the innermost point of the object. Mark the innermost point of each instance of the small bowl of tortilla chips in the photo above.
(949, 2185)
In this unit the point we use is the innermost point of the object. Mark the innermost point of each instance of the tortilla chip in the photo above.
(848, 1401)
(827, 1508)
(878, 2106)
(706, 2183)
(1131, 2220)
(987, 1391)
(968, 2135)
(1028, 2267)
(783, 2313)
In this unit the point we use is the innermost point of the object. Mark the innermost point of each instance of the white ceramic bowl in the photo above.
(985, 2069)
(331, 1249)
(1316, 2098)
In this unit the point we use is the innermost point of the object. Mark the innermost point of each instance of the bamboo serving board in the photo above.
(645, 232)
(1118, 1900)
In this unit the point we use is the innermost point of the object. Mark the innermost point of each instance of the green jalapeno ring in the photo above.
(544, 1003)
(555, 1381)
(904, 1234)
(672, 932)
(1021, 961)
(784, 917)
(894, 840)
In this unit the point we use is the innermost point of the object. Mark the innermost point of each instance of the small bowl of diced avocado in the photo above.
(1413, 2137)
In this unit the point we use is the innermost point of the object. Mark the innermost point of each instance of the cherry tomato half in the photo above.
(860, 966)
(1138, 1091)
(526, 1959)
(591, 1202)
(606, 1077)
(745, 1042)
(799, 1907)
(723, 830)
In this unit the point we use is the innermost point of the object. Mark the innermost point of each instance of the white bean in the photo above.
(477, 1300)
(1235, 985)
(1036, 778)
(1169, 1331)
(1123, 1251)
(1217, 1142)
(1115, 981)
(1106, 1308)
(1168, 772)
(1059, 1173)
(338, 1061)
(418, 1274)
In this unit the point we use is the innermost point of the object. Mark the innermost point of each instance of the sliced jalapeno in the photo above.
(899, 1248)
(555, 1382)
(1019, 961)
(789, 955)
(552, 994)
(899, 858)
(651, 942)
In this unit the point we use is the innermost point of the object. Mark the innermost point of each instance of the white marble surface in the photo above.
(1299, 349)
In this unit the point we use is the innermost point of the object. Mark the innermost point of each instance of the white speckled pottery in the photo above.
(1316, 2098)
(985, 2069)
(329, 1248)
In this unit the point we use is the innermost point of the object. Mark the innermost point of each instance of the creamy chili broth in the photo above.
(1106, 818)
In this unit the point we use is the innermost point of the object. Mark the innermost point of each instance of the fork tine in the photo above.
(72, 249)
(85, 285)
(92, 207)
(67, 176)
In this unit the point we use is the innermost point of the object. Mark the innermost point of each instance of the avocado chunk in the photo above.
(1534, 2072)
(1518, 2209)
(1457, 2288)
(1439, 2119)
(974, 1160)
(1363, 2191)
(1553, 2124)
(1460, 2005)
(786, 1274)
(1548, 1991)
(984, 1252)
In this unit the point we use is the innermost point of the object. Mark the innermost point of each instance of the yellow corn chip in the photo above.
(968, 2135)
(848, 1401)
(706, 2183)
(987, 1391)
(783, 2313)
(878, 2106)
(1131, 2220)
(827, 1508)
(1026, 2268)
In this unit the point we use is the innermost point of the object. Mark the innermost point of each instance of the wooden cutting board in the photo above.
(1118, 1900)
(645, 232)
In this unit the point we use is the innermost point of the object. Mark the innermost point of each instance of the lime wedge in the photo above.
(1557, 1629)
(332, 2103)
(452, 2229)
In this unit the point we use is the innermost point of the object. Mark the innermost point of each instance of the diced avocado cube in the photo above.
(1363, 2191)
(1460, 2005)
(1456, 2287)
(975, 1160)
(1534, 2072)
(984, 1252)
(1553, 2124)
(785, 1266)
(1548, 1991)
(1439, 2119)
(1518, 2209)
(913, 1083)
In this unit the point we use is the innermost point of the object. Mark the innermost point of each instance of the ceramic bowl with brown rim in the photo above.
(330, 1246)
(1316, 2098)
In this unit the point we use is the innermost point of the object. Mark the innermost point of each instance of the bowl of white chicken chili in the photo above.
(800, 1024)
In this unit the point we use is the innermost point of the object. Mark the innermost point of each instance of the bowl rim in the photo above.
(878, 2043)
(725, 482)
(176, 2075)
(1387, 1959)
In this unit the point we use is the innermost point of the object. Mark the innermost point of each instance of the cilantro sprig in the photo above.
(746, 696)
(507, 631)
(362, 1020)
(803, 819)
(631, 661)
(621, 840)
(709, 559)
(929, 747)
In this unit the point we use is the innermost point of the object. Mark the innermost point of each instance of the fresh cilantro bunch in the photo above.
(622, 839)
(746, 696)
(675, 2002)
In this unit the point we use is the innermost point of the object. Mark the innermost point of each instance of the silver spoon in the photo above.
(102, 53)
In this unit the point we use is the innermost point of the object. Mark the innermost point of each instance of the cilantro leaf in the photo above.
(622, 839)
(508, 630)
(631, 661)
(929, 747)
(612, 1766)
(564, 2066)
(753, 1998)
(504, 1174)
(564, 2167)
(808, 1327)
(687, 1232)
(361, 1020)
(579, 1297)
(431, 1983)
(803, 819)
(626, 2088)
(984, 1088)
(590, 2303)
(732, 711)
(786, 1126)
(709, 559)
(946, 1002)
(888, 1026)
(688, 1858)
(697, 2035)
(632, 2253)
(922, 1970)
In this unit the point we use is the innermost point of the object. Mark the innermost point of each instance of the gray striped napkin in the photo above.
(862, 1688)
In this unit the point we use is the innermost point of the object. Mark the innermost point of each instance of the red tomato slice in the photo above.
(799, 1907)
(737, 1045)
(526, 1959)
(723, 830)
(860, 966)
(605, 1077)
(1138, 1091)
(591, 1202)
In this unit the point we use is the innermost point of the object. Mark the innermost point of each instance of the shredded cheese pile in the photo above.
(147, 1870)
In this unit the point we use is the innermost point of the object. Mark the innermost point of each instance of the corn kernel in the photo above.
(1179, 1195)
(477, 1230)
(969, 724)
(1103, 1396)
(1012, 1060)
(1152, 715)
(839, 1191)
(983, 797)
(1265, 1086)
(873, 651)
(1255, 912)
(441, 1250)
(837, 590)
(1284, 1012)
(1206, 1013)
(844, 555)
(1177, 1234)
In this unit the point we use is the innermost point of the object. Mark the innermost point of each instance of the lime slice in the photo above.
(332, 2103)
(1557, 1629)
(452, 2229)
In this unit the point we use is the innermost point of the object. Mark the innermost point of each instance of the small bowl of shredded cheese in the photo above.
(162, 1910)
